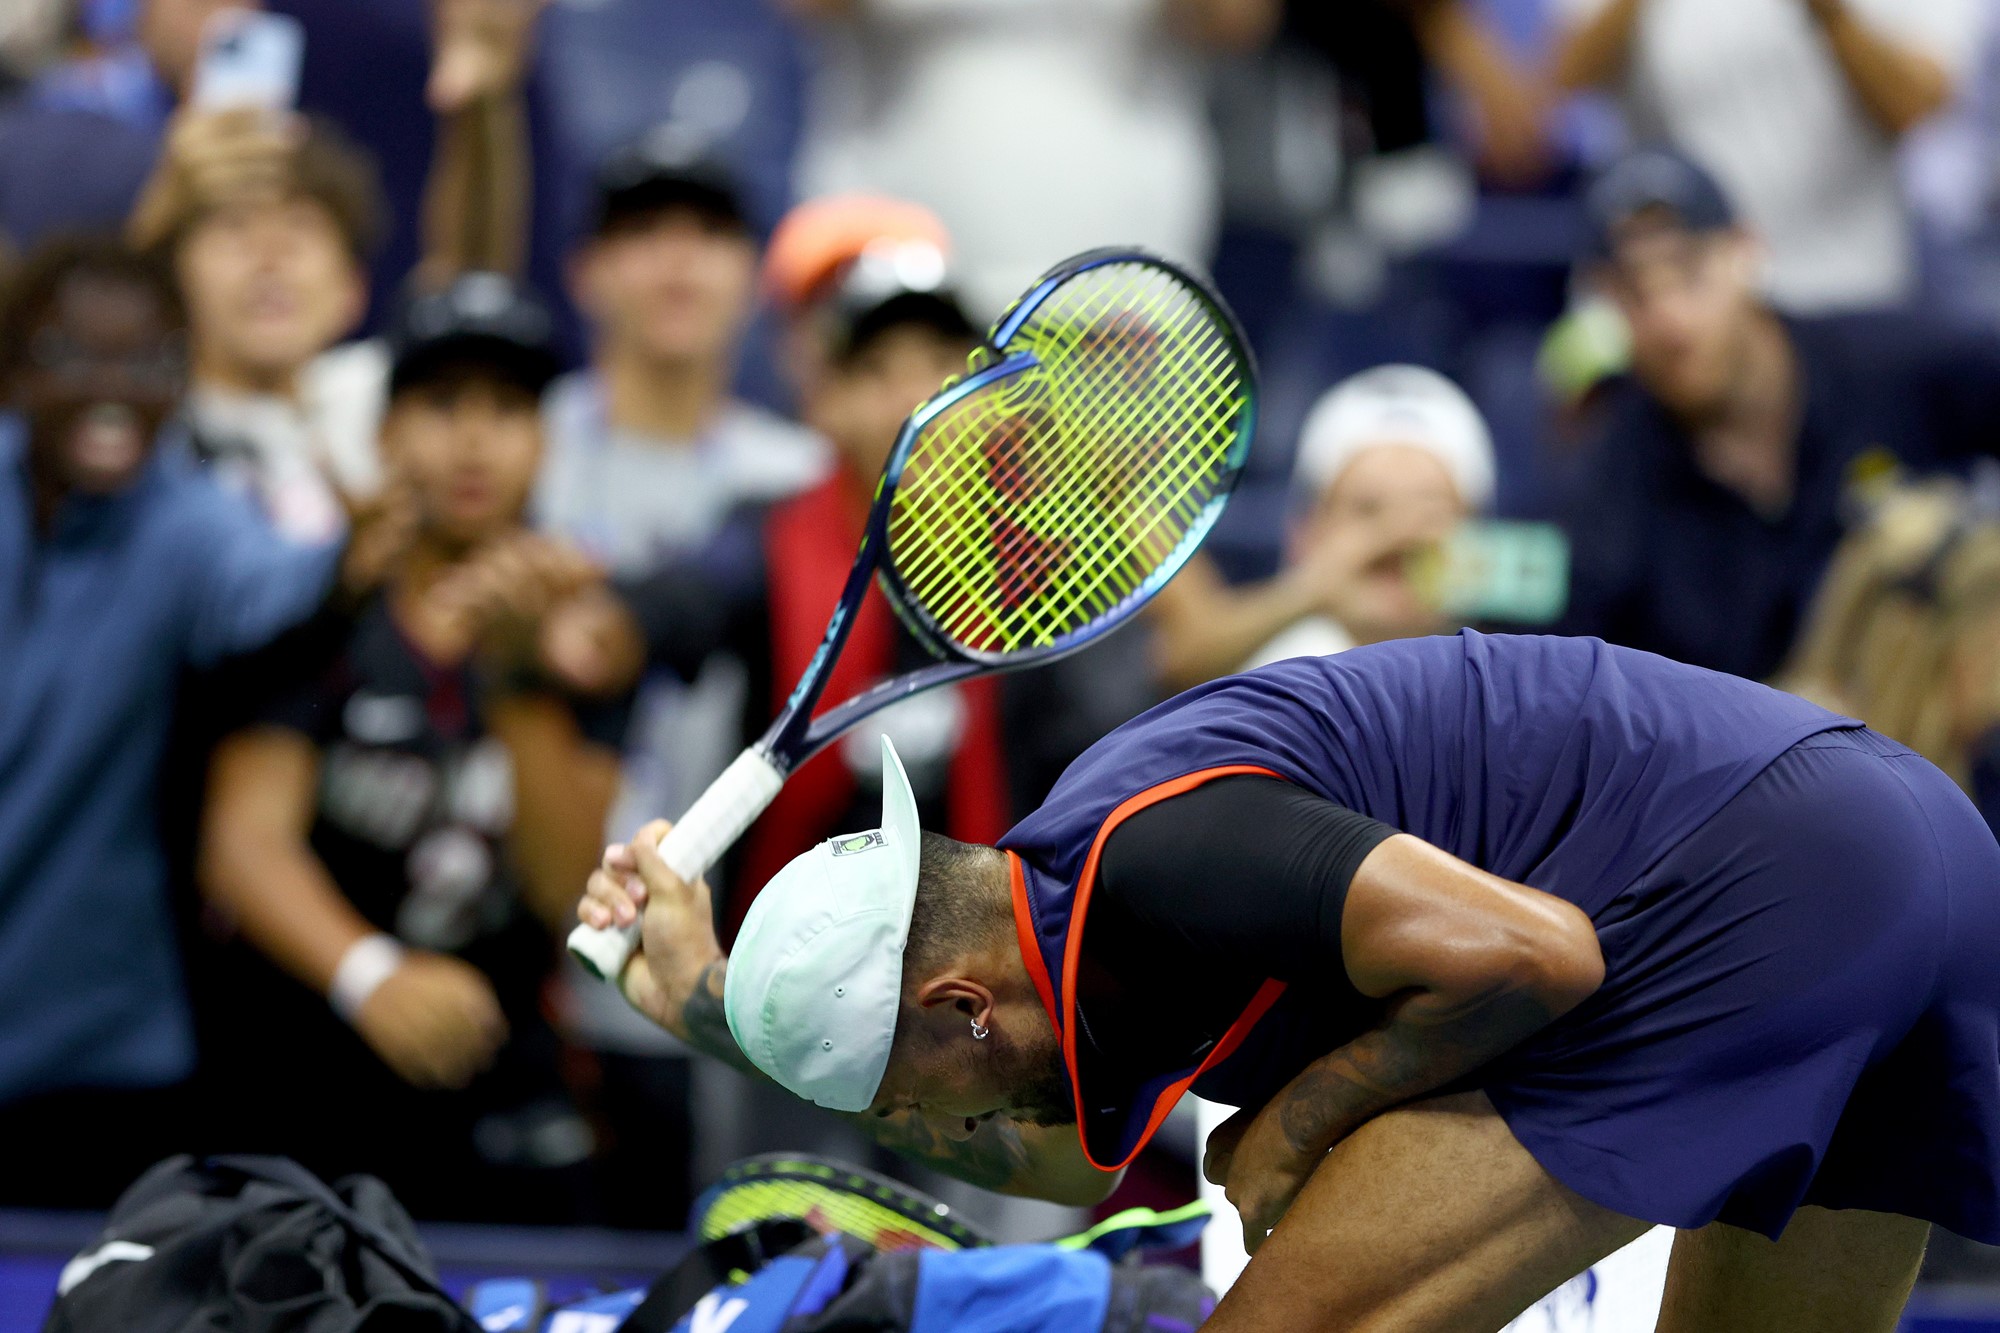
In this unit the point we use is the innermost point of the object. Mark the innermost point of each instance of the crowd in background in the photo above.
(404, 495)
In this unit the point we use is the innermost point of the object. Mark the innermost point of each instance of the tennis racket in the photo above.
(828, 1196)
(1029, 507)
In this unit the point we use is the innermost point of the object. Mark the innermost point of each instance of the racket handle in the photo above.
(711, 825)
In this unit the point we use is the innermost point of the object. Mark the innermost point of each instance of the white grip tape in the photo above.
(711, 825)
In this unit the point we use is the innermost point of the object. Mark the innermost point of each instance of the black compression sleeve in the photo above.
(1251, 871)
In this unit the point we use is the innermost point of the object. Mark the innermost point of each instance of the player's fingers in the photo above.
(618, 858)
(608, 901)
(659, 877)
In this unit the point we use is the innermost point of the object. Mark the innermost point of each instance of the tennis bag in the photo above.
(795, 1244)
(253, 1245)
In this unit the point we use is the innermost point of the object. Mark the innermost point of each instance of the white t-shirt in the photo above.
(1035, 128)
(282, 450)
(1750, 89)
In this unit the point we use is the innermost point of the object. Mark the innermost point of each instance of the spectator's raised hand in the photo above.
(590, 643)
(534, 602)
(380, 529)
(481, 50)
(213, 159)
(435, 1021)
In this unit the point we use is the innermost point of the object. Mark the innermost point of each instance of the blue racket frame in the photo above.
(796, 735)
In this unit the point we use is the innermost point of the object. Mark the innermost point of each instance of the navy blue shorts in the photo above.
(1801, 1006)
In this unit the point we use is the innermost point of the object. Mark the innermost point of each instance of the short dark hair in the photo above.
(955, 909)
(334, 172)
(37, 284)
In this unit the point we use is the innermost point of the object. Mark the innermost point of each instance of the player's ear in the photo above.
(970, 999)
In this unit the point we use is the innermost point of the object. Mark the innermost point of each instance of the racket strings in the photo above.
(1088, 321)
(1036, 506)
(842, 1203)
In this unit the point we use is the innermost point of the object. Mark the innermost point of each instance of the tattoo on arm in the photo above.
(705, 1025)
(994, 1158)
(1427, 1043)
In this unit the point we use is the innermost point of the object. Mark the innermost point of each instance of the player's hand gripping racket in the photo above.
(1030, 506)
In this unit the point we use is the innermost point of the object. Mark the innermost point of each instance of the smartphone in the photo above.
(249, 59)
(1496, 570)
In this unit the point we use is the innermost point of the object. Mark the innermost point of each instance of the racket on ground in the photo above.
(1031, 506)
(828, 1196)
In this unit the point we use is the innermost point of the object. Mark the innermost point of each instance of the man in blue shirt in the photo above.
(1506, 947)
(1714, 479)
(120, 565)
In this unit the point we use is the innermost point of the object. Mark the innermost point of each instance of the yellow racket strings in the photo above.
(1038, 504)
(825, 1207)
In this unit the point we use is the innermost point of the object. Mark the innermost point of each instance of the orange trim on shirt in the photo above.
(1260, 1004)
(1031, 947)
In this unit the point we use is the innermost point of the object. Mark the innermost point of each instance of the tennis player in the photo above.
(1507, 948)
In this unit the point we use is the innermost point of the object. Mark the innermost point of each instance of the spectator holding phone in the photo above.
(120, 565)
(271, 220)
(1390, 462)
(400, 835)
(1716, 472)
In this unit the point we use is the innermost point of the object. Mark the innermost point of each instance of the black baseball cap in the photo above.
(1654, 179)
(481, 319)
(665, 168)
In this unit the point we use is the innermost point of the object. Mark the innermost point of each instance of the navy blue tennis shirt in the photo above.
(98, 617)
(1667, 560)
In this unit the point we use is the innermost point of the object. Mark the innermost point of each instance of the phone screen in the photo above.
(250, 59)
(1496, 570)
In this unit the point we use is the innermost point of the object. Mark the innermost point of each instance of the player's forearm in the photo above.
(1595, 52)
(1429, 1041)
(1899, 85)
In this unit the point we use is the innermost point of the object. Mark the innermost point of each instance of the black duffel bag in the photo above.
(254, 1245)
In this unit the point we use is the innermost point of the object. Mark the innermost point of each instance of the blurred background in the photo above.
(433, 429)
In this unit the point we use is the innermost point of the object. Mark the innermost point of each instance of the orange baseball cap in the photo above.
(820, 237)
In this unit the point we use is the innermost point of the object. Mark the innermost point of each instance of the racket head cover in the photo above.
(1038, 501)
(830, 1196)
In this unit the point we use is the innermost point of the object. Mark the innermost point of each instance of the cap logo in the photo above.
(854, 843)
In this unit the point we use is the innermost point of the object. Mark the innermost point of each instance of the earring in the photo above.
(978, 1032)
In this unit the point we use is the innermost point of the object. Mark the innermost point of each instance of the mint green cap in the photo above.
(816, 977)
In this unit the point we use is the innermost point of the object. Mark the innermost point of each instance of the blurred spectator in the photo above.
(271, 220)
(1716, 472)
(78, 146)
(1389, 462)
(1797, 106)
(405, 834)
(120, 564)
(1106, 138)
(1905, 632)
(269, 228)
(648, 456)
(648, 449)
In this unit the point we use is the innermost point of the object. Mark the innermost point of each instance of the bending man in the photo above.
(1749, 993)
